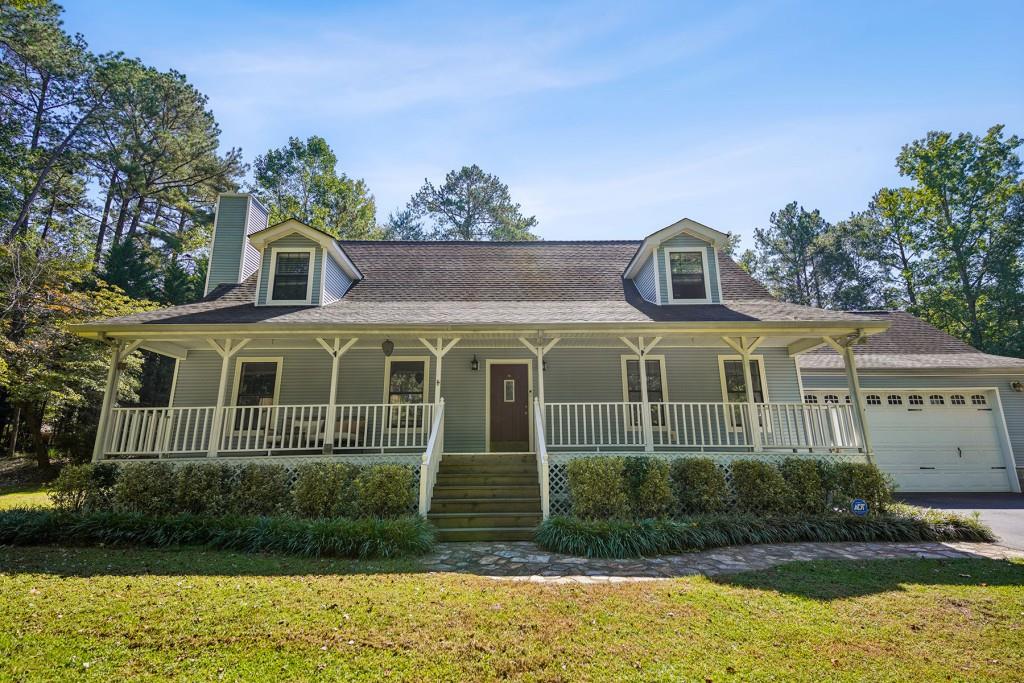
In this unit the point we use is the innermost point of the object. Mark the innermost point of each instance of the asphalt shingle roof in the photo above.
(909, 343)
(492, 283)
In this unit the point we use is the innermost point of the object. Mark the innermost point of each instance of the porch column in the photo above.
(844, 348)
(539, 350)
(439, 352)
(226, 352)
(336, 350)
(745, 348)
(641, 350)
(118, 352)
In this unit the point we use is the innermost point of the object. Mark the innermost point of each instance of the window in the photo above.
(894, 400)
(509, 391)
(734, 387)
(957, 400)
(406, 385)
(687, 275)
(656, 385)
(915, 400)
(810, 398)
(289, 276)
(256, 382)
(873, 400)
(978, 400)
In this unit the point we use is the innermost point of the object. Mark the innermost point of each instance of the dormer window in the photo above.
(290, 281)
(688, 276)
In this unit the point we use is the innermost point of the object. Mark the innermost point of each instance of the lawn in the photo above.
(196, 615)
(23, 496)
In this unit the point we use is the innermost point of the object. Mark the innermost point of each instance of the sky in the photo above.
(606, 120)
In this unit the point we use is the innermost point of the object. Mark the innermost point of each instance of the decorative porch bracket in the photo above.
(641, 350)
(539, 349)
(119, 350)
(439, 351)
(746, 346)
(844, 347)
(226, 352)
(336, 350)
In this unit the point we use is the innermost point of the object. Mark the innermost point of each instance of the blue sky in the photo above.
(606, 120)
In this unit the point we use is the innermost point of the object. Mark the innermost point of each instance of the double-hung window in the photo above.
(734, 384)
(632, 386)
(687, 275)
(406, 384)
(290, 281)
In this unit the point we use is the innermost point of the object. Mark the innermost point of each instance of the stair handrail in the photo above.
(431, 460)
(542, 456)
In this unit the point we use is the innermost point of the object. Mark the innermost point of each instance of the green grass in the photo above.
(23, 496)
(117, 614)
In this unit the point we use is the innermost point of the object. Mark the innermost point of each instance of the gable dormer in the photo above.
(678, 265)
(301, 266)
(232, 257)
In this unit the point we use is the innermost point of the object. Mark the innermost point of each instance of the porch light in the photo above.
(544, 365)
(388, 347)
(474, 364)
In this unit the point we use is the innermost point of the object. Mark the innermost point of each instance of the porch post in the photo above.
(539, 350)
(439, 351)
(226, 352)
(746, 348)
(118, 352)
(641, 351)
(336, 351)
(845, 349)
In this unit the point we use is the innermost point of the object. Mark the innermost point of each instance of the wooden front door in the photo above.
(510, 408)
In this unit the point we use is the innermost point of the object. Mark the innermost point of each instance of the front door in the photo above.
(510, 408)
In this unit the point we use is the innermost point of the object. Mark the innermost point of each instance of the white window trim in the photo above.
(623, 359)
(669, 295)
(279, 360)
(721, 375)
(387, 374)
(274, 251)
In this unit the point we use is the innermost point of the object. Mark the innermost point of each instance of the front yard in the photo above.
(199, 615)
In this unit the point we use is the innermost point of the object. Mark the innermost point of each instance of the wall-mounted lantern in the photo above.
(474, 364)
(388, 347)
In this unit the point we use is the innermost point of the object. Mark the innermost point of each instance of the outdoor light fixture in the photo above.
(1017, 386)
(544, 365)
(388, 347)
(474, 364)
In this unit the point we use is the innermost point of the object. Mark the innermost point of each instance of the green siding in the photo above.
(687, 241)
(291, 242)
(1013, 402)
(228, 241)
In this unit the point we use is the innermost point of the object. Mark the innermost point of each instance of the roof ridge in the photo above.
(490, 242)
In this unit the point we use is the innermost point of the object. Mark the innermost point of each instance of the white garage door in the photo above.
(934, 440)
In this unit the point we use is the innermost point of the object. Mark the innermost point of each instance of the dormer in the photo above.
(678, 265)
(301, 266)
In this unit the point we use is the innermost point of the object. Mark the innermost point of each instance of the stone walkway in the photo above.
(527, 562)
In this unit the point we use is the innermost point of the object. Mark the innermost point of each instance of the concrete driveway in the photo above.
(1003, 512)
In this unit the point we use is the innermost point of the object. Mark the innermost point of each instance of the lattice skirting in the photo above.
(558, 479)
(291, 465)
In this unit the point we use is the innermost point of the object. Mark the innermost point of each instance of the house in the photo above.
(488, 366)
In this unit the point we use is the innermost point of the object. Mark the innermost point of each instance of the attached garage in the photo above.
(936, 439)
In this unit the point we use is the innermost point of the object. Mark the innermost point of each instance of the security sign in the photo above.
(859, 507)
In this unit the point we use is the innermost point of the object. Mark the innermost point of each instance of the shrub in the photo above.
(759, 487)
(203, 488)
(621, 539)
(384, 491)
(649, 487)
(847, 481)
(146, 488)
(325, 490)
(261, 489)
(354, 538)
(597, 487)
(83, 487)
(806, 493)
(699, 485)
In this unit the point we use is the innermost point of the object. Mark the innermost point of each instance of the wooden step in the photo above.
(489, 467)
(496, 458)
(485, 505)
(486, 520)
(445, 492)
(485, 479)
(486, 534)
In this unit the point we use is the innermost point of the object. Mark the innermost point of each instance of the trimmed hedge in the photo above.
(759, 487)
(597, 487)
(339, 537)
(625, 539)
(699, 485)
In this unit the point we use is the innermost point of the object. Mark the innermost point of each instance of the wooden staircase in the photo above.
(486, 497)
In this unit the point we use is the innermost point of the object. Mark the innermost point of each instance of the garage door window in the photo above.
(831, 398)
(874, 400)
(957, 400)
(810, 398)
(894, 400)
(936, 400)
(915, 400)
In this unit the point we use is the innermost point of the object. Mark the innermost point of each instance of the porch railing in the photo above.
(149, 432)
(432, 459)
(543, 471)
(701, 426)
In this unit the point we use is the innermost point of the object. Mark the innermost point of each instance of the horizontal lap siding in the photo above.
(1013, 402)
(646, 281)
(464, 393)
(687, 241)
(228, 241)
(290, 242)
(336, 283)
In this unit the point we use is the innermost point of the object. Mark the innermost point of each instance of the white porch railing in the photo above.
(702, 426)
(149, 432)
(543, 471)
(432, 459)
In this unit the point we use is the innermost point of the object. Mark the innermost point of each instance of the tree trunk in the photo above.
(98, 253)
(34, 422)
(12, 439)
(122, 216)
(136, 217)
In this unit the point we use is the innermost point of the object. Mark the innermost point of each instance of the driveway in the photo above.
(1003, 512)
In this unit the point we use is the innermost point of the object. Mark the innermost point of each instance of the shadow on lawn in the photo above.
(836, 580)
